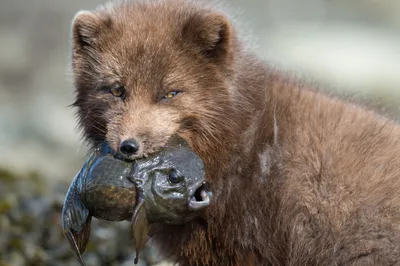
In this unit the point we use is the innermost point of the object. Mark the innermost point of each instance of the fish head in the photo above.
(171, 189)
(172, 184)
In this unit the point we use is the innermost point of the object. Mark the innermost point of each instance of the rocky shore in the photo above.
(31, 233)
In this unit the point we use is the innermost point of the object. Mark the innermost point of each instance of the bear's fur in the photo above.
(299, 178)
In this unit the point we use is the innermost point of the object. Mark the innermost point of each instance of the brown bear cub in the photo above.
(299, 178)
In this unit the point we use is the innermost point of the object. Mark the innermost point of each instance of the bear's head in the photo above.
(144, 72)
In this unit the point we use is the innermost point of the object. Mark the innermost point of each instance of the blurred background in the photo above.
(352, 46)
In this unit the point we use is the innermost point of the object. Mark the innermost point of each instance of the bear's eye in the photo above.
(171, 94)
(174, 177)
(118, 92)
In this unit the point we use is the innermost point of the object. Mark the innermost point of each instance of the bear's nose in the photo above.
(129, 147)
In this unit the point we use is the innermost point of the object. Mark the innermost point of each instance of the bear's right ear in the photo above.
(211, 35)
(85, 29)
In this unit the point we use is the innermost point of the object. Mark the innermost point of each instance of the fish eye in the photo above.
(173, 176)
(118, 92)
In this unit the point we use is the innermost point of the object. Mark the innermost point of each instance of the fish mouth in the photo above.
(201, 196)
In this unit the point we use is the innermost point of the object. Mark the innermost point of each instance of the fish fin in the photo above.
(78, 240)
(76, 224)
(75, 215)
(140, 227)
(74, 246)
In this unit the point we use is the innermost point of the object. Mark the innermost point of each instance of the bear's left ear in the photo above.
(211, 35)
(85, 29)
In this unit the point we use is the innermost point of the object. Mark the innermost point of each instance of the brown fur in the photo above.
(299, 178)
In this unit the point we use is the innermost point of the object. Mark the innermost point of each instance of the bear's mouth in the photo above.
(201, 197)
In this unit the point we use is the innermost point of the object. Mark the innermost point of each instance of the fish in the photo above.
(168, 187)
(171, 189)
(100, 189)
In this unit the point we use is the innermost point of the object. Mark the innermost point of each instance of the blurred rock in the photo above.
(31, 233)
(92, 259)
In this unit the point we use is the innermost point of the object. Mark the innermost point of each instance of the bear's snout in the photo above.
(129, 147)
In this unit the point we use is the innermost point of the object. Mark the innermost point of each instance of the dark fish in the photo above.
(100, 189)
(171, 189)
(167, 187)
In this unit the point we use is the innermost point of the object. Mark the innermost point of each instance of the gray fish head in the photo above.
(172, 184)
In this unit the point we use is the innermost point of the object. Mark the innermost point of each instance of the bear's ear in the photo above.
(85, 29)
(210, 34)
